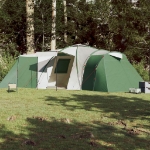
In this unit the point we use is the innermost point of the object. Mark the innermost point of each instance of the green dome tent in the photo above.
(62, 68)
(78, 67)
(111, 72)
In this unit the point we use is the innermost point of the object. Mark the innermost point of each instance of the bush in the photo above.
(141, 69)
(6, 62)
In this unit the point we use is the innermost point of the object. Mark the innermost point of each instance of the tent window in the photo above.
(62, 66)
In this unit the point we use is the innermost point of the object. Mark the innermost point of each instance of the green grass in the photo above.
(33, 119)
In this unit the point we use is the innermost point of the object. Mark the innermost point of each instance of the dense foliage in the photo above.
(112, 25)
(6, 62)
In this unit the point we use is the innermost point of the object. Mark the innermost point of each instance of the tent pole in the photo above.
(17, 72)
(149, 52)
(56, 72)
(149, 64)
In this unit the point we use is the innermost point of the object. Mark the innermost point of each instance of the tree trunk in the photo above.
(65, 21)
(53, 31)
(30, 26)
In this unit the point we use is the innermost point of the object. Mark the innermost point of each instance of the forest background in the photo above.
(114, 25)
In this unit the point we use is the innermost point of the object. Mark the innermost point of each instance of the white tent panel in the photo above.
(44, 70)
(49, 53)
(70, 50)
(100, 52)
(73, 83)
(82, 54)
(40, 54)
(50, 72)
(116, 54)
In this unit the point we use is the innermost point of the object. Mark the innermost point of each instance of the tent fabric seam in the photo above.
(89, 76)
(14, 75)
(95, 74)
(126, 74)
(31, 78)
(17, 71)
(105, 74)
(85, 65)
(77, 66)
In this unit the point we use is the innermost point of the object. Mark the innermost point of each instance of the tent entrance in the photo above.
(90, 71)
(61, 72)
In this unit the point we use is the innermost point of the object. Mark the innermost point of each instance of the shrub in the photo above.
(141, 69)
(6, 62)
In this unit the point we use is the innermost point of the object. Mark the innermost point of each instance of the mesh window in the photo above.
(62, 66)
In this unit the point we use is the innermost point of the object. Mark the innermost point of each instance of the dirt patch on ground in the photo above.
(131, 130)
(83, 135)
(119, 123)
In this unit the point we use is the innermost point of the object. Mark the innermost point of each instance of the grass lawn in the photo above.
(33, 119)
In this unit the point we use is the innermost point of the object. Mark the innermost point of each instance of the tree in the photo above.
(42, 20)
(87, 23)
(13, 26)
(112, 25)
(30, 26)
(129, 23)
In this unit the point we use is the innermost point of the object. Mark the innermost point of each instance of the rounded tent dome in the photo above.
(78, 48)
(100, 52)
(111, 72)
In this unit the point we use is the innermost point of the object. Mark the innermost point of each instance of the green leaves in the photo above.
(117, 25)
(129, 22)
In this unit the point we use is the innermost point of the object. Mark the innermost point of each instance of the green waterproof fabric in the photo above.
(112, 74)
(117, 79)
(26, 76)
(27, 72)
(11, 77)
(131, 73)
(62, 66)
(101, 77)
(90, 72)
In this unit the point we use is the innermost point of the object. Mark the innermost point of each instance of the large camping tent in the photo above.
(74, 68)
(42, 70)
(111, 72)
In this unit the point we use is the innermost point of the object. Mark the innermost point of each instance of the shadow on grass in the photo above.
(119, 107)
(52, 134)
(41, 133)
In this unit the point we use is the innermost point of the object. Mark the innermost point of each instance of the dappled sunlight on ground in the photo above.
(71, 120)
